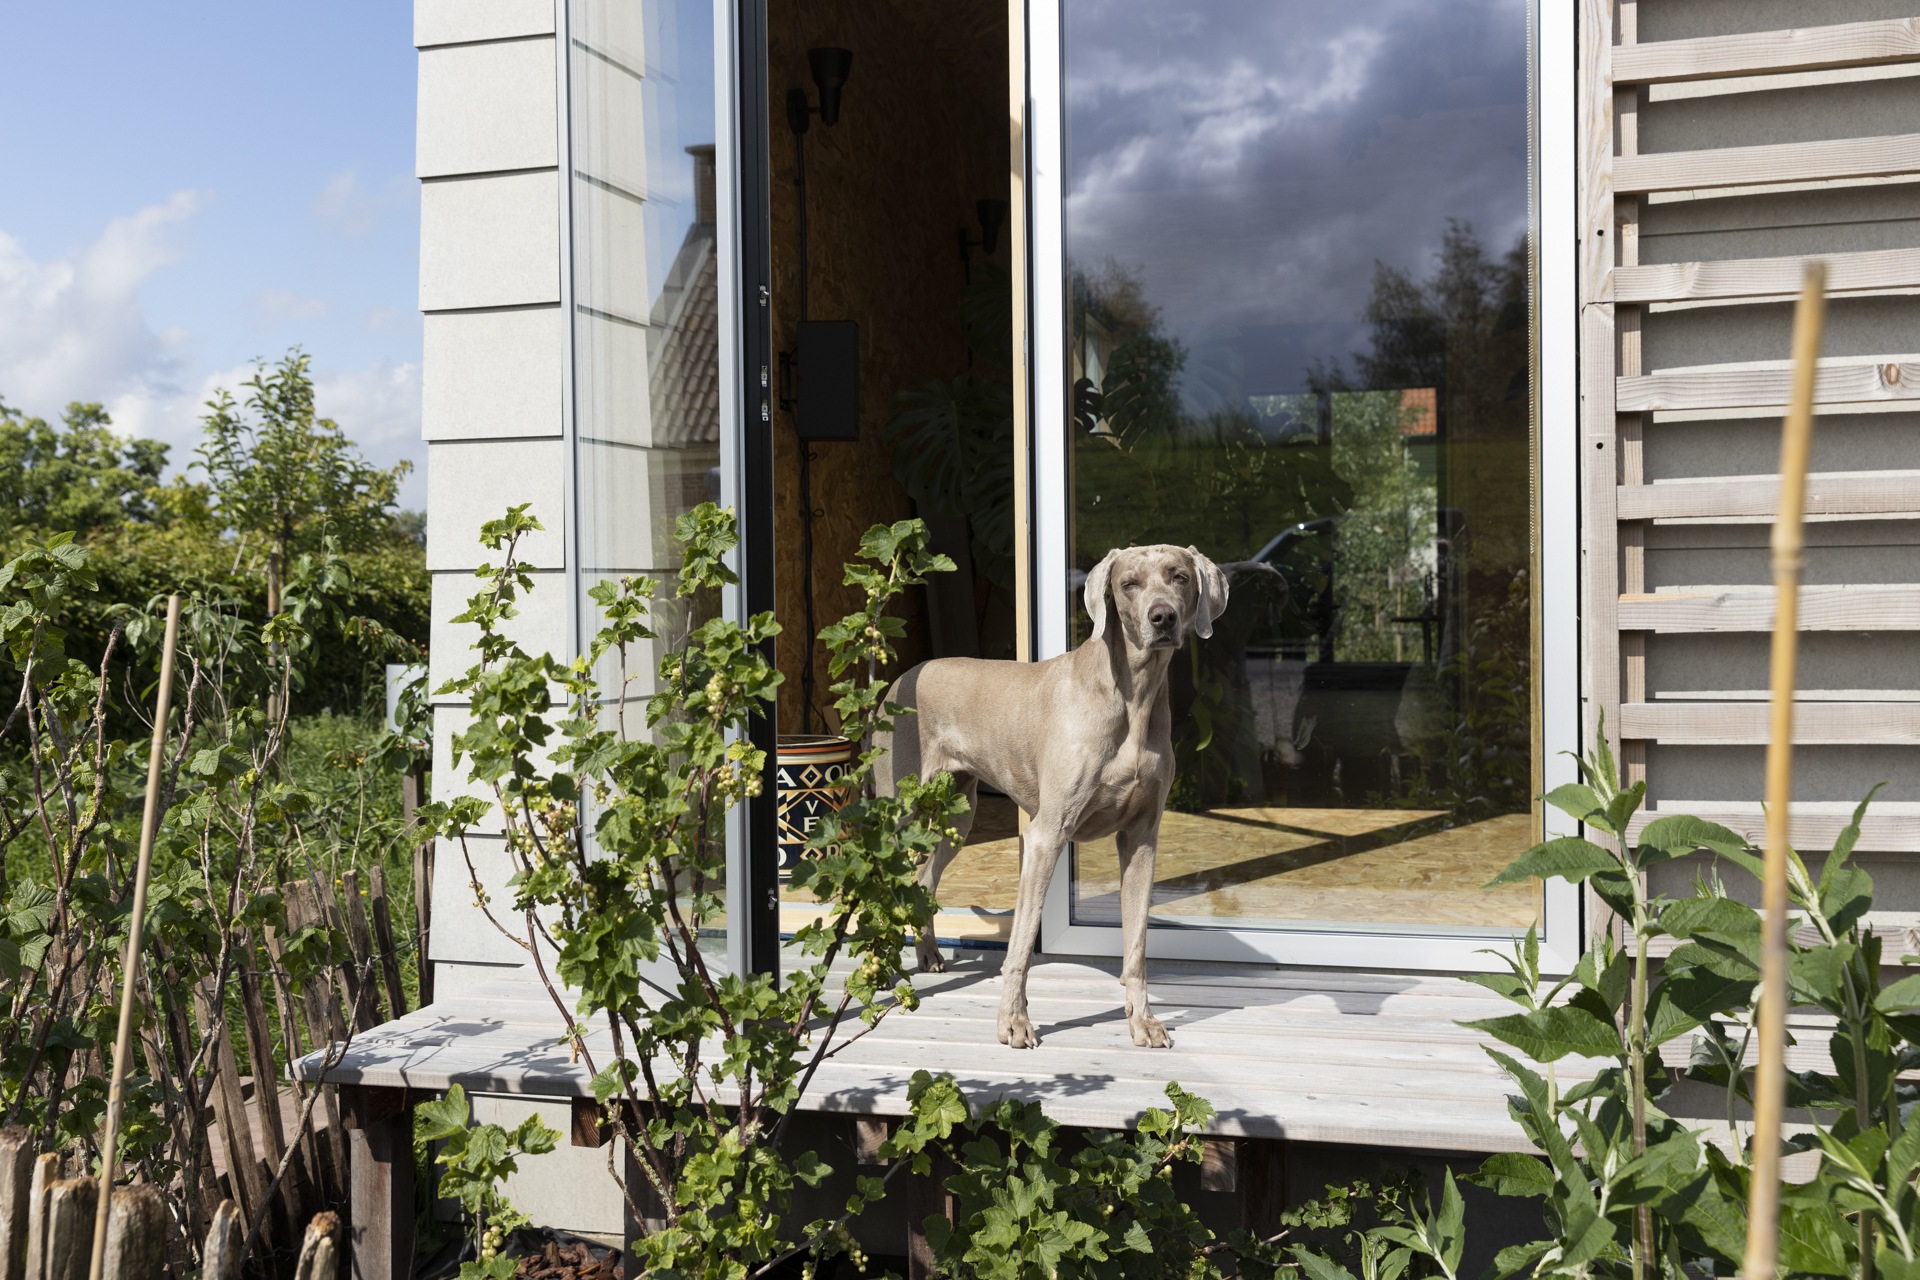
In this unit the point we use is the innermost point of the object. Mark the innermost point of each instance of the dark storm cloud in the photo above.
(1249, 160)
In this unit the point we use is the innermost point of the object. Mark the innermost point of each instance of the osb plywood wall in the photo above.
(922, 136)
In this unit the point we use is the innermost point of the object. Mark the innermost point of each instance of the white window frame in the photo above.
(1382, 947)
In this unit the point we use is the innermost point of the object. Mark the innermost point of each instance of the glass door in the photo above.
(1289, 315)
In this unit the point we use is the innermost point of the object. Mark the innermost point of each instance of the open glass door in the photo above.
(1287, 312)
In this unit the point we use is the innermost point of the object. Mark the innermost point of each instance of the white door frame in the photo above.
(1049, 504)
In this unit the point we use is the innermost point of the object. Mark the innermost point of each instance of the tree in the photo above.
(288, 477)
(78, 479)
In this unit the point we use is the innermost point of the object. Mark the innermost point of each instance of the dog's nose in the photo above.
(1163, 617)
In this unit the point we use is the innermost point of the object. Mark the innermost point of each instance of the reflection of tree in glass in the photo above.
(1464, 332)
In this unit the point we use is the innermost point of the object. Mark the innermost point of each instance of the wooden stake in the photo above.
(130, 962)
(220, 1259)
(1769, 1089)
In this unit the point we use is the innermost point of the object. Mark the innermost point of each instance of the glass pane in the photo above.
(646, 377)
(1300, 342)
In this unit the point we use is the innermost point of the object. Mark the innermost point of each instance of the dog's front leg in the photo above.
(1040, 850)
(1136, 847)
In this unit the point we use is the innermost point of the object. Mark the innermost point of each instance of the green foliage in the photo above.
(77, 476)
(1624, 1186)
(476, 1158)
(614, 832)
(286, 476)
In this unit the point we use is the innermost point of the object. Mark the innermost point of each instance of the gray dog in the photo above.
(1082, 742)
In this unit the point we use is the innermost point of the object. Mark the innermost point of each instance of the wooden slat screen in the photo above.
(1622, 400)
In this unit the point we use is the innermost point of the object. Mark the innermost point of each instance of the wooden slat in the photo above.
(1745, 723)
(1749, 388)
(1767, 165)
(1848, 44)
(1868, 607)
(383, 938)
(1894, 492)
(1765, 277)
(360, 936)
(1879, 832)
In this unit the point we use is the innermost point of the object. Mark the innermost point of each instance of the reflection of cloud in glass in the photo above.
(1250, 160)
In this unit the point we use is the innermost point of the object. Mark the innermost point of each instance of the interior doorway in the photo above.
(891, 323)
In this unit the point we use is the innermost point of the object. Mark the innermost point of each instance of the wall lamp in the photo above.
(830, 67)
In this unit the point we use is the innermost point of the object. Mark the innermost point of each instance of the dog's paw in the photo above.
(1016, 1032)
(930, 959)
(1148, 1031)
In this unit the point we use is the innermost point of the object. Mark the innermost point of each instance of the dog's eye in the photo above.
(1130, 585)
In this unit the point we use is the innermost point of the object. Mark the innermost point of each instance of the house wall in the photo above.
(1699, 761)
(491, 408)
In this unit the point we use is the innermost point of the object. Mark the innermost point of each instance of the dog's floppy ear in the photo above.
(1096, 594)
(1213, 594)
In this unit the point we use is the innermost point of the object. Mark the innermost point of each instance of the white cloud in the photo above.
(284, 304)
(73, 326)
(354, 210)
(379, 409)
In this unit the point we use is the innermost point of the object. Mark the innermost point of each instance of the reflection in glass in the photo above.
(1299, 340)
(646, 308)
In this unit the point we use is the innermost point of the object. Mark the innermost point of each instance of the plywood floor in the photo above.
(1264, 866)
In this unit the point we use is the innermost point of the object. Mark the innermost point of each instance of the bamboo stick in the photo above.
(130, 965)
(1769, 1090)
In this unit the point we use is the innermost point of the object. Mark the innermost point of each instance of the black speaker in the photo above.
(829, 390)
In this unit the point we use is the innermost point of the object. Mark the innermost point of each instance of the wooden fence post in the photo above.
(220, 1260)
(137, 1230)
(320, 1250)
(46, 1172)
(70, 1207)
(16, 1179)
(383, 938)
(380, 1143)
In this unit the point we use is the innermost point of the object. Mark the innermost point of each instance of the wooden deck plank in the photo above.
(1765, 277)
(1764, 388)
(1886, 493)
(1846, 44)
(1356, 1058)
(1853, 607)
(1774, 163)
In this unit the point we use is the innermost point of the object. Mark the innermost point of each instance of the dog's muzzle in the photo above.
(1163, 625)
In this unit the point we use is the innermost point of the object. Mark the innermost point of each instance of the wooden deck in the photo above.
(1314, 1056)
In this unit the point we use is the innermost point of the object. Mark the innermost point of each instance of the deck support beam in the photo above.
(926, 1197)
(379, 1124)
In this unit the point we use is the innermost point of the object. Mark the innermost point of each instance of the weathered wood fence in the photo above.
(47, 1225)
(256, 1108)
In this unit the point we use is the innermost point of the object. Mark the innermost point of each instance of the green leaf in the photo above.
(1578, 801)
(1547, 1035)
(1682, 834)
(1568, 857)
(1318, 1267)
(1513, 1173)
(1719, 915)
(1813, 1240)
(442, 1117)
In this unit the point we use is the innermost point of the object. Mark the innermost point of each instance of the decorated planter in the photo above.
(810, 784)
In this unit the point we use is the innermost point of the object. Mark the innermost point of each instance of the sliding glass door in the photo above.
(1292, 293)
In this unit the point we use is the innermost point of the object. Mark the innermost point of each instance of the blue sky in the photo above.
(189, 187)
